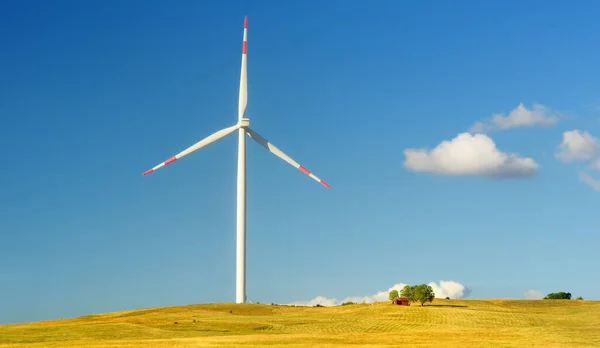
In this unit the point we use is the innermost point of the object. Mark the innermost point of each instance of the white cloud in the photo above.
(518, 117)
(577, 146)
(469, 154)
(323, 301)
(377, 297)
(450, 289)
(533, 294)
(593, 183)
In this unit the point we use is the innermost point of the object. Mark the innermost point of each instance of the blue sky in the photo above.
(94, 93)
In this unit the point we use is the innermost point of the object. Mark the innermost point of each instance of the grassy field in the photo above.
(444, 323)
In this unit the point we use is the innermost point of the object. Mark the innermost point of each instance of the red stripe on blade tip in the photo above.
(171, 160)
(245, 22)
(148, 172)
(304, 170)
(325, 184)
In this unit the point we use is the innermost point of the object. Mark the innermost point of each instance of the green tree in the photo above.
(393, 295)
(424, 293)
(558, 296)
(408, 292)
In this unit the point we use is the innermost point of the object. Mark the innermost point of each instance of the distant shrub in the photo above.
(447, 298)
(348, 303)
(579, 298)
(558, 296)
(318, 305)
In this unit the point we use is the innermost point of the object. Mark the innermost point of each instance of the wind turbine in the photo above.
(243, 128)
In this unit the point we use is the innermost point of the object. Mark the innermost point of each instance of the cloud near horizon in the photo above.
(533, 295)
(520, 116)
(469, 154)
(444, 289)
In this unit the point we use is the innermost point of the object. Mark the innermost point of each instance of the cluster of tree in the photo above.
(560, 296)
(416, 293)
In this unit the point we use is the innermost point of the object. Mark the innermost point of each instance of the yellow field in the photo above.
(444, 323)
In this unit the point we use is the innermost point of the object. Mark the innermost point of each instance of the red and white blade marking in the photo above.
(170, 160)
(243, 100)
(208, 140)
(273, 149)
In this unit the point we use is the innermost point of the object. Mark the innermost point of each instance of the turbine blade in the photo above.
(208, 140)
(243, 101)
(273, 149)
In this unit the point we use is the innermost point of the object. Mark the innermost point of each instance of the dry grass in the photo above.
(445, 323)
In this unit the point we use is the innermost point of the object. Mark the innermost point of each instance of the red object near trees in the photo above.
(401, 301)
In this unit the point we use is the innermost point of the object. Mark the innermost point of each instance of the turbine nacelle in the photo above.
(244, 123)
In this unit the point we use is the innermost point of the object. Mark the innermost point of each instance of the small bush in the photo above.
(348, 303)
(447, 298)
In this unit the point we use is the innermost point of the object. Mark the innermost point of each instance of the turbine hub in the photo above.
(244, 123)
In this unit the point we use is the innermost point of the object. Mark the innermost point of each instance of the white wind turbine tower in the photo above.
(243, 128)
